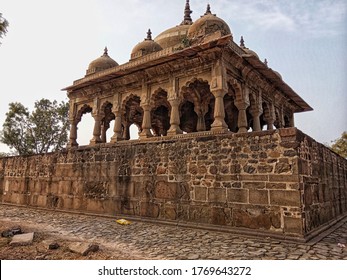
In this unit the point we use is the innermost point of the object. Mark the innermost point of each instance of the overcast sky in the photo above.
(50, 44)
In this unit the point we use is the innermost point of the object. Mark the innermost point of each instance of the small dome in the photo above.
(208, 24)
(102, 63)
(145, 47)
(247, 50)
(175, 36)
(277, 73)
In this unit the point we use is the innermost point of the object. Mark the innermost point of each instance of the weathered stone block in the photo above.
(220, 216)
(149, 209)
(253, 185)
(282, 167)
(265, 168)
(277, 186)
(285, 198)
(217, 194)
(237, 195)
(293, 225)
(165, 190)
(258, 197)
(200, 194)
(283, 178)
(255, 218)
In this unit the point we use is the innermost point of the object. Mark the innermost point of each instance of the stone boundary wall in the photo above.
(281, 181)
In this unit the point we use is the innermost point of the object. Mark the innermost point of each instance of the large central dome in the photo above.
(176, 36)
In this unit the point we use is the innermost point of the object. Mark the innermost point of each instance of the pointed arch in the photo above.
(197, 101)
(132, 113)
(160, 112)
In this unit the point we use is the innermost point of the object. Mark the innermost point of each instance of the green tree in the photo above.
(3, 26)
(42, 131)
(339, 146)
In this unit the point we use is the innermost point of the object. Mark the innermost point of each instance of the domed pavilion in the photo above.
(190, 78)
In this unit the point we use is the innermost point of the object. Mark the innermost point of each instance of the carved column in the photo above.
(270, 118)
(73, 134)
(256, 110)
(97, 130)
(117, 129)
(200, 126)
(242, 117)
(256, 119)
(146, 122)
(174, 118)
(104, 128)
(219, 123)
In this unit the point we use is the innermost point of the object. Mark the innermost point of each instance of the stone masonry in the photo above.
(278, 181)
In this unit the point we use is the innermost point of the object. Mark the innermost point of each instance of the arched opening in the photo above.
(106, 122)
(132, 114)
(188, 119)
(133, 132)
(85, 125)
(160, 113)
(197, 107)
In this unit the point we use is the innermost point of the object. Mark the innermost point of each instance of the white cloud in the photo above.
(316, 18)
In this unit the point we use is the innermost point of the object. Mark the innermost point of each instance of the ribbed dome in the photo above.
(102, 63)
(208, 24)
(175, 36)
(146, 47)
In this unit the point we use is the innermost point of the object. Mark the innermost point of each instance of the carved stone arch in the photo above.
(160, 112)
(85, 108)
(197, 92)
(132, 113)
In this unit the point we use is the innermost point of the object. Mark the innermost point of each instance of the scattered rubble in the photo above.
(83, 248)
(22, 239)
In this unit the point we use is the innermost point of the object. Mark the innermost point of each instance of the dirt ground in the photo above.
(39, 250)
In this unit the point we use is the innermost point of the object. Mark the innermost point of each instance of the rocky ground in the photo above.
(39, 249)
(141, 240)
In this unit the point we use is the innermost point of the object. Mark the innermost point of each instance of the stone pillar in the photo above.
(242, 117)
(219, 123)
(256, 119)
(126, 132)
(104, 128)
(174, 118)
(73, 134)
(97, 130)
(117, 129)
(270, 119)
(200, 126)
(146, 122)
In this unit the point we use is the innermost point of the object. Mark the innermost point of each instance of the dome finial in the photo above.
(208, 10)
(149, 35)
(105, 51)
(242, 42)
(187, 20)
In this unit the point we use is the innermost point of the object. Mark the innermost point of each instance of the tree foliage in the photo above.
(339, 146)
(3, 26)
(43, 130)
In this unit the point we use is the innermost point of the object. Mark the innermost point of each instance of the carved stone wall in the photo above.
(278, 181)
